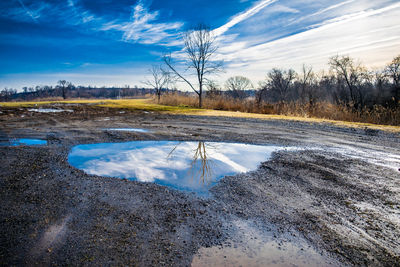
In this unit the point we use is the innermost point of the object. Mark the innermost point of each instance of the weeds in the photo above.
(373, 118)
(324, 110)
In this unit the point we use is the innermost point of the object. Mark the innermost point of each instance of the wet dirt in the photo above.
(337, 197)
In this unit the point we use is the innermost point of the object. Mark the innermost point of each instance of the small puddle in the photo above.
(251, 246)
(187, 166)
(49, 110)
(137, 130)
(24, 141)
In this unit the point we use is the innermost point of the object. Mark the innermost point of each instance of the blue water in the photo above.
(25, 141)
(187, 166)
(138, 130)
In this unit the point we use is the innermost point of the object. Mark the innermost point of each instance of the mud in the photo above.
(339, 195)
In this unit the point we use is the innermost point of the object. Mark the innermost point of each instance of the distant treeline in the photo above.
(346, 83)
(348, 91)
(66, 90)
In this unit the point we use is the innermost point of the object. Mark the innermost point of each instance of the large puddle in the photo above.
(24, 141)
(188, 166)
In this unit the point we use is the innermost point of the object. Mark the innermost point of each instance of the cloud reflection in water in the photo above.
(189, 166)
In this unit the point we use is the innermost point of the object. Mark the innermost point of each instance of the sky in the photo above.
(115, 42)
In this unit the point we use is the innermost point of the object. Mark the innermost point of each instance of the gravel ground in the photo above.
(340, 192)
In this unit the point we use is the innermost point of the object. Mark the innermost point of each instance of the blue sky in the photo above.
(111, 42)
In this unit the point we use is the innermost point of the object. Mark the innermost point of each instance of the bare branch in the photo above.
(160, 79)
(200, 48)
(167, 61)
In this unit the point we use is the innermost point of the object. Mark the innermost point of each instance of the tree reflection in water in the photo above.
(187, 165)
(204, 173)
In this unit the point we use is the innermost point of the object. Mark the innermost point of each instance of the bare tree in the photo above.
(200, 48)
(393, 72)
(237, 86)
(305, 79)
(63, 84)
(381, 87)
(308, 86)
(261, 93)
(7, 94)
(160, 80)
(354, 76)
(213, 89)
(280, 82)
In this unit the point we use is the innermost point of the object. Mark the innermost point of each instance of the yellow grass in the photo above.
(42, 103)
(145, 104)
(132, 104)
(220, 113)
(149, 105)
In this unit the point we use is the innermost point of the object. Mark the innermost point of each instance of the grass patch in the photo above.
(359, 125)
(149, 105)
(31, 104)
(377, 118)
(131, 104)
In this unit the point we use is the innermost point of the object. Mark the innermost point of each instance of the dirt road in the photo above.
(337, 197)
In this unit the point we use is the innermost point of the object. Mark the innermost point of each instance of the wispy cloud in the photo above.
(80, 16)
(243, 16)
(321, 11)
(355, 16)
(28, 12)
(335, 6)
(144, 28)
(283, 9)
(371, 35)
(63, 13)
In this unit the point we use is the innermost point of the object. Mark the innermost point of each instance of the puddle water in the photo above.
(137, 130)
(188, 166)
(251, 246)
(49, 110)
(24, 141)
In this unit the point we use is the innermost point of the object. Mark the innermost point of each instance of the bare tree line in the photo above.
(346, 83)
(65, 90)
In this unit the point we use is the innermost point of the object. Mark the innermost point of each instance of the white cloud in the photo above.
(335, 6)
(283, 9)
(34, 16)
(144, 29)
(372, 35)
(243, 16)
(65, 13)
(356, 16)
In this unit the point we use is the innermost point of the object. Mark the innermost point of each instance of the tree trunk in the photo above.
(200, 100)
